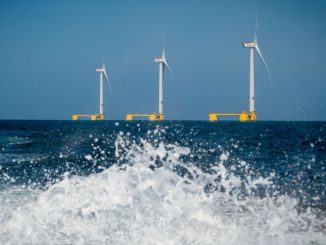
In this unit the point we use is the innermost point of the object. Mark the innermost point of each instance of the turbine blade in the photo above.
(167, 66)
(109, 84)
(255, 35)
(106, 76)
(163, 53)
(262, 59)
(163, 50)
(245, 58)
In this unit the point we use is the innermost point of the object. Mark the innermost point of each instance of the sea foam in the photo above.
(151, 196)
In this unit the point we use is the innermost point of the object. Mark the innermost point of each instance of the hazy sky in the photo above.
(49, 51)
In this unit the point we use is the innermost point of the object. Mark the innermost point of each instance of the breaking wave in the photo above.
(156, 194)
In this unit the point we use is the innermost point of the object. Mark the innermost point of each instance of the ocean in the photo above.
(172, 182)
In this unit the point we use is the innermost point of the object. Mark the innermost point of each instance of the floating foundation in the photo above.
(243, 116)
(93, 117)
(150, 117)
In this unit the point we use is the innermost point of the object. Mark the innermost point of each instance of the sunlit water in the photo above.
(162, 183)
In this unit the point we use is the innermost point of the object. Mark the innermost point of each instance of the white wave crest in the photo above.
(135, 203)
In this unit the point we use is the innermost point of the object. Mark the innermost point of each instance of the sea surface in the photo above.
(173, 182)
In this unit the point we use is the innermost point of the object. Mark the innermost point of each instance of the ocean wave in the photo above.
(7, 141)
(153, 196)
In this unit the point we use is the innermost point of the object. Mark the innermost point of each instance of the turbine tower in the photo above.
(254, 46)
(102, 72)
(162, 63)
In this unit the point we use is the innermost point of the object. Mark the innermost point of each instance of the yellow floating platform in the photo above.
(243, 116)
(151, 117)
(93, 117)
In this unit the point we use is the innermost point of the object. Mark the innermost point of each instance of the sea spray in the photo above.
(152, 195)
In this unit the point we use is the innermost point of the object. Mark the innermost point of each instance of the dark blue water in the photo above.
(290, 155)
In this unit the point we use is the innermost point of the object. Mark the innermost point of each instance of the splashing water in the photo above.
(155, 194)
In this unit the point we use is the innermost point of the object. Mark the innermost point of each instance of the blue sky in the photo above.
(49, 51)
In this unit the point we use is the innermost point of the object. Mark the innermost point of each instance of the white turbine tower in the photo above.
(254, 46)
(162, 63)
(102, 72)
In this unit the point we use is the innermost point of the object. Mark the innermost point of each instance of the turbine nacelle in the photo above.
(249, 44)
(159, 60)
(99, 70)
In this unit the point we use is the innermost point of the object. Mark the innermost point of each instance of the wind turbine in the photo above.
(162, 63)
(102, 72)
(254, 46)
(156, 116)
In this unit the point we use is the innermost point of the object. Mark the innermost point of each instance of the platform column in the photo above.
(212, 117)
(129, 117)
